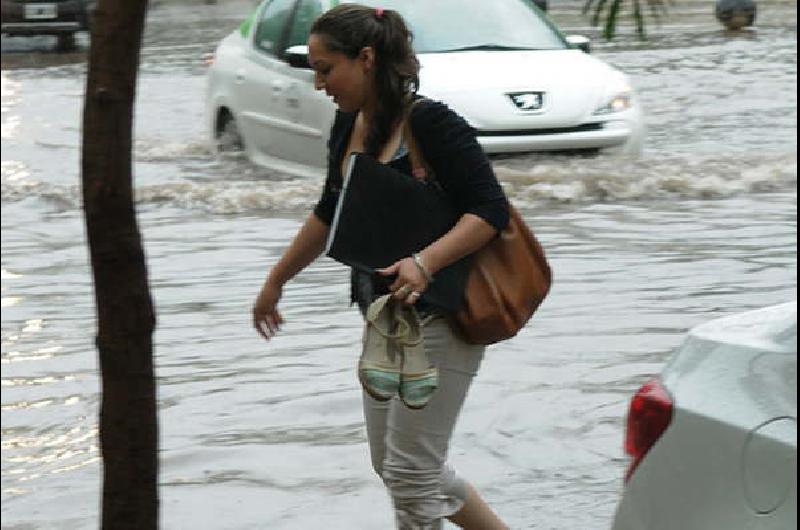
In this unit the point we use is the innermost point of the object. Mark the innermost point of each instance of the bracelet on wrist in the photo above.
(421, 266)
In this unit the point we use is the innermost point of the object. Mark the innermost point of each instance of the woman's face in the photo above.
(346, 80)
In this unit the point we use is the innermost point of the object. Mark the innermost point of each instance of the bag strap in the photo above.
(420, 168)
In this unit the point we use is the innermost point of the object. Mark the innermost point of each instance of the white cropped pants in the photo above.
(409, 447)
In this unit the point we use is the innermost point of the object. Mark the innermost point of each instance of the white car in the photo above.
(502, 64)
(713, 440)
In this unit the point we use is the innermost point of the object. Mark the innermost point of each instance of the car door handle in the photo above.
(240, 76)
(277, 88)
(292, 98)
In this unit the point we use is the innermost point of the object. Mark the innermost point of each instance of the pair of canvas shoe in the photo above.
(394, 361)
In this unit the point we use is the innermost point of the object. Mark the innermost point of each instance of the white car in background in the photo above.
(713, 440)
(501, 64)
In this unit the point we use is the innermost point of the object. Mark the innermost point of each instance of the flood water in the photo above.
(270, 436)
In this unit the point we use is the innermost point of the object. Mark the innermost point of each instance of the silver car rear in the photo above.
(727, 456)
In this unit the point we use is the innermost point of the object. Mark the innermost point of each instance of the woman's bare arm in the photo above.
(468, 235)
(306, 246)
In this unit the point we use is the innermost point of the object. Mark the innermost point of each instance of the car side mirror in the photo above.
(579, 42)
(297, 56)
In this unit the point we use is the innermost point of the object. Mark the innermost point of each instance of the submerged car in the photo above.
(62, 18)
(503, 65)
(713, 440)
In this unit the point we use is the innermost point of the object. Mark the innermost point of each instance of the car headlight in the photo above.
(619, 102)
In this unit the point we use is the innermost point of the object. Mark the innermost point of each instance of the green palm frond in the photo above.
(613, 8)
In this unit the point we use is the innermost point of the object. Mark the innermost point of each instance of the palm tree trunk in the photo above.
(125, 314)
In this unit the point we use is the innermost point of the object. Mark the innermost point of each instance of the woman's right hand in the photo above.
(266, 317)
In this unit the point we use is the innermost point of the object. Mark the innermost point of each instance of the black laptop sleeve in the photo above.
(384, 215)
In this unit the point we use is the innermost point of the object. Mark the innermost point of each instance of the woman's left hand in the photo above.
(410, 282)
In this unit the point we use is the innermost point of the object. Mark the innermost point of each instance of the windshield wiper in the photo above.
(487, 47)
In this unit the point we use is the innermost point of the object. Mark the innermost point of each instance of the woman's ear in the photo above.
(367, 57)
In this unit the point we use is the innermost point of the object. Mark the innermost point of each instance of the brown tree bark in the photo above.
(125, 313)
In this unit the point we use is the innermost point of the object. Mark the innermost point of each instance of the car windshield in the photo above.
(458, 25)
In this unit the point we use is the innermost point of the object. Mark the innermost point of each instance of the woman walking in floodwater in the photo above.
(363, 58)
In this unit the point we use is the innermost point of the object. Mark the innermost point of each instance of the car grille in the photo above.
(586, 127)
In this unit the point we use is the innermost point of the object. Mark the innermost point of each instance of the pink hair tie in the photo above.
(379, 12)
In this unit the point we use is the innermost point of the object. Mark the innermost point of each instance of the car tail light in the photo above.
(649, 416)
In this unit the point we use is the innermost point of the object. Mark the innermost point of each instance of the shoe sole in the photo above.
(426, 380)
(369, 387)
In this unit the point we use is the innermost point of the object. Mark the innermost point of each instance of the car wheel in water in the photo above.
(228, 137)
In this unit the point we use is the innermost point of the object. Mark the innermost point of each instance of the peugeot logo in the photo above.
(527, 100)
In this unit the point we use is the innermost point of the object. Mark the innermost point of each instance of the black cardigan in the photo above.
(449, 146)
(461, 167)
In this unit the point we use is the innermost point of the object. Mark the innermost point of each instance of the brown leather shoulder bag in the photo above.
(508, 280)
(509, 276)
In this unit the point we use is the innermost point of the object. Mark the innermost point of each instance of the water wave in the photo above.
(614, 180)
(564, 181)
(160, 150)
